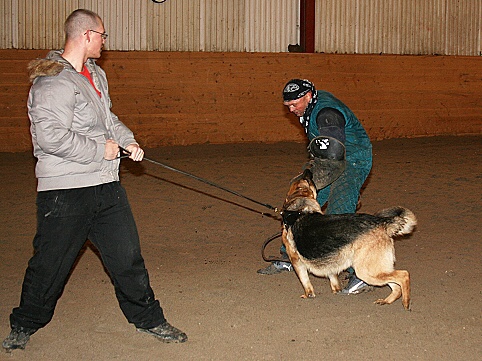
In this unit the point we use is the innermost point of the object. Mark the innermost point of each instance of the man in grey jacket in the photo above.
(77, 140)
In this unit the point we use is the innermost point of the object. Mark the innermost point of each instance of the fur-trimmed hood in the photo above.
(52, 65)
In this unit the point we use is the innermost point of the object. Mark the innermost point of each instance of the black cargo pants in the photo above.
(65, 220)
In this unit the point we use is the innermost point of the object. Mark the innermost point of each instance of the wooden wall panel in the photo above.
(182, 98)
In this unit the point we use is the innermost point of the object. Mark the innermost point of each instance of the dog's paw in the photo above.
(309, 295)
(407, 307)
(381, 301)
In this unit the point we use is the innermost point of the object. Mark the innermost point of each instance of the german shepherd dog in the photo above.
(325, 245)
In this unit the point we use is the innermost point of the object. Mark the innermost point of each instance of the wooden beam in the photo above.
(307, 25)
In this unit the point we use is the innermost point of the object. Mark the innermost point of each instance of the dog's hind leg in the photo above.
(406, 291)
(374, 262)
(399, 282)
(392, 297)
(334, 283)
(400, 285)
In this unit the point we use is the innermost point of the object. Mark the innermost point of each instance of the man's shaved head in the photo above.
(79, 22)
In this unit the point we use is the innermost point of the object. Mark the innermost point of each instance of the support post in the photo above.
(307, 25)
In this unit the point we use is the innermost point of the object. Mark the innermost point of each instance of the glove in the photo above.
(325, 171)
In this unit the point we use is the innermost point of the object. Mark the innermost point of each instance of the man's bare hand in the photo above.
(111, 150)
(136, 152)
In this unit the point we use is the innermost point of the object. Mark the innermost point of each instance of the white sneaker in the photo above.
(276, 267)
(355, 286)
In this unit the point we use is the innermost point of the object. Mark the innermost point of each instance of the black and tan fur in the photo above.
(325, 245)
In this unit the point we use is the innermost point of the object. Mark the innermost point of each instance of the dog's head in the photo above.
(301, 195)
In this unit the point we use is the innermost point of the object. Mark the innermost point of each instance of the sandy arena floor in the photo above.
(202, 249)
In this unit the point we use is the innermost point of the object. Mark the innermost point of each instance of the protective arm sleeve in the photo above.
(331, 123)
(328, 149)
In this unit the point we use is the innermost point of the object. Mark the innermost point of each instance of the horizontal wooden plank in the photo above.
(180, 98)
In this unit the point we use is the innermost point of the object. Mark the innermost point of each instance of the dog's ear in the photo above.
(308, 175)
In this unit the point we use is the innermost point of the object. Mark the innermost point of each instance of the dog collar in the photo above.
(290, 217)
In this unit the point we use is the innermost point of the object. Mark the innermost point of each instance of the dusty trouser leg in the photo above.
(115, 235)
(63, 219)
(343, 194)
(322, 196)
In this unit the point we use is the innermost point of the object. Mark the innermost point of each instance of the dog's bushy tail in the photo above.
(399, 220)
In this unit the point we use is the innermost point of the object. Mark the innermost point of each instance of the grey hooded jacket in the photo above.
(70, 124)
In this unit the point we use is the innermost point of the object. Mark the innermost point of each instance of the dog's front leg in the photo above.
(299, 266)
(303, 275)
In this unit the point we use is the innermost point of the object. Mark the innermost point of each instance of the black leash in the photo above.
(127, 153)
(263, 247)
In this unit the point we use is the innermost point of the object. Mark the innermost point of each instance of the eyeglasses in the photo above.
(103, 35)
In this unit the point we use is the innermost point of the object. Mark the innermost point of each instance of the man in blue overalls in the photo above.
(341, 156)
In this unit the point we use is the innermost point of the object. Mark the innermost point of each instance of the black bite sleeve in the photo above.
(331, 123)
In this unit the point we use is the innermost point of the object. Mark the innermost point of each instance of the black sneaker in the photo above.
(17, 339)
(165, 332)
